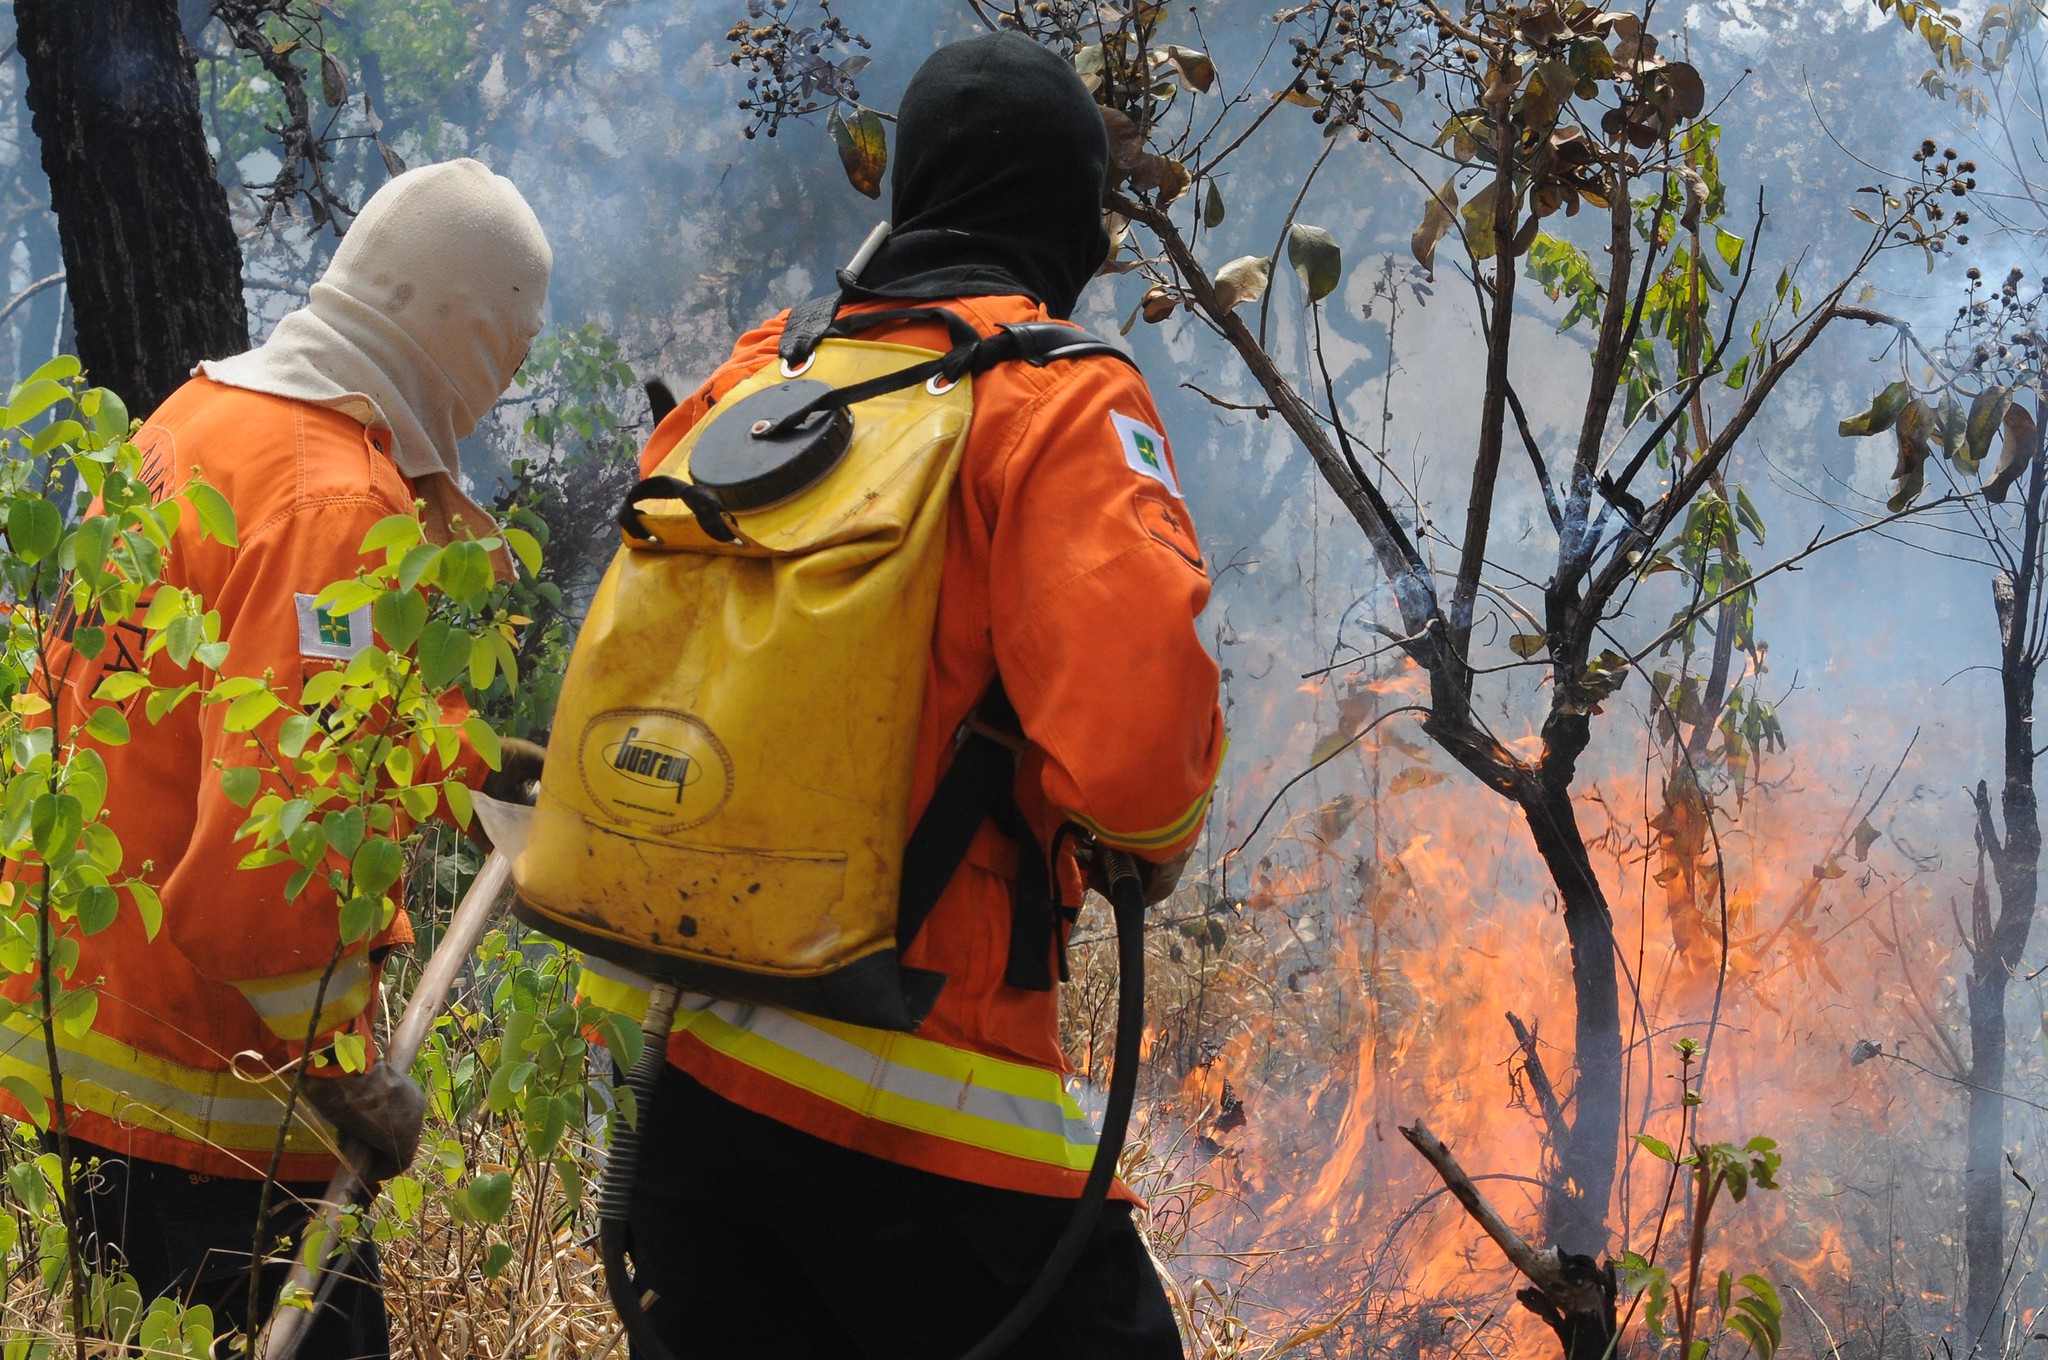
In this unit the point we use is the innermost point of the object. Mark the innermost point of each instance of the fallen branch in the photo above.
(1539, 1082)
(1572, 1294)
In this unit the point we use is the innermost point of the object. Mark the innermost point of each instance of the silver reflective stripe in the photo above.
(138, 1089)
(790, 1032)
(272, 1002)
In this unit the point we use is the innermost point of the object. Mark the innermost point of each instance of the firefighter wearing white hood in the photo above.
(349, 413)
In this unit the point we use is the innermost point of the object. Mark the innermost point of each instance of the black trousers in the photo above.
(761, 1240)
(188, 1236)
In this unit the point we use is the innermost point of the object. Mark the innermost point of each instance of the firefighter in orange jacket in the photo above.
(812, 1188)
(349, 413)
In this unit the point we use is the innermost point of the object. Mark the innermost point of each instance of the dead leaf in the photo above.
(1244, 279)
(1126, 139)
(1195, 69)
(1414, 777)
(863, 149)
(1316, 258)
(1528, 645)
(1865, 836)
(2022, 443)
(1436, 220)
(333, 81)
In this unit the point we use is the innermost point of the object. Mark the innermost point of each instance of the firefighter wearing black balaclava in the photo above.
(816, 1188)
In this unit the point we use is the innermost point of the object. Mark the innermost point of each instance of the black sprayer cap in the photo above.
(746, 468)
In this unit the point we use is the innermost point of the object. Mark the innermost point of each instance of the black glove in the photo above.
(519, 764)
(383, 1109)
(514, 781)
(1157, 880)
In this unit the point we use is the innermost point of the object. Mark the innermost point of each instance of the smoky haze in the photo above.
(1392, 916)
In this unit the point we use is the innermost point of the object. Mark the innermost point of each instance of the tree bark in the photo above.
(1575, 1209)
(155, 274)
(2000, 942)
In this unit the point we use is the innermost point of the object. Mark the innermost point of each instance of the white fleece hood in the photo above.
(418, 325)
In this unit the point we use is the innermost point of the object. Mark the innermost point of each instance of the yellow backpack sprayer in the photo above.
(726, 797)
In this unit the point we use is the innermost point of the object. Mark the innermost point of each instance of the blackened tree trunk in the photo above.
(154, 271)
(1575, 1211)
(1998, 941)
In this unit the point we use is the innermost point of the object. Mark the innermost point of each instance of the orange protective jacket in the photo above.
(1071, 568)
(179, 1065)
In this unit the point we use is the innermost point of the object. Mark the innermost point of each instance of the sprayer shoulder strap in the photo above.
(977, 787)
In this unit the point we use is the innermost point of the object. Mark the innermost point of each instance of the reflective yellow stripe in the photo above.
(970, 1098)
(286, 1003)
(1172, 833)
(106, 1077)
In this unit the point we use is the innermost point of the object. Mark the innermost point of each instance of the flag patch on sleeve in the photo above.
(1145, 450)
(330, 636)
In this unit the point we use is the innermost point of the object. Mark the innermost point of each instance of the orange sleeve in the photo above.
(1095, 581)
(235, 925)
(755, 348)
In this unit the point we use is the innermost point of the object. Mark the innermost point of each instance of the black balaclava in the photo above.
(996, 185)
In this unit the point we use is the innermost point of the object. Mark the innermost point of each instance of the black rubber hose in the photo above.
(1127, 899)
(621, 1169)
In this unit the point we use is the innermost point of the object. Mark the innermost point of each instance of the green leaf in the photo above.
(390, 532)
(546, 1119)
(483, 662)
(460, 804)
(1212, 207)
(182, 637)
(483, 740)
(239, 783)
(443, 654)
(321, 689)
(344, 829)
(398, 616)
(1314, 254)
(1729, 245)
(247, 713)
(76, 1010)
(107, 726)
(376, 865)
(358, 917)
(33, 1101)
(1528, 645)
(1883, 411)
(54, 822)
(1656, 1147)
(298, 729)
(121, 685)
(110, 417)
(863, 149)
(416, 567)
(34, 526)
(34, 397)
(216, 516)
(148, 906)
(490, 1197)
(525, 547)
(97, 907)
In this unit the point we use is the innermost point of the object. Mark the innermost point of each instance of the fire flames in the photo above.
(1382, 928)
